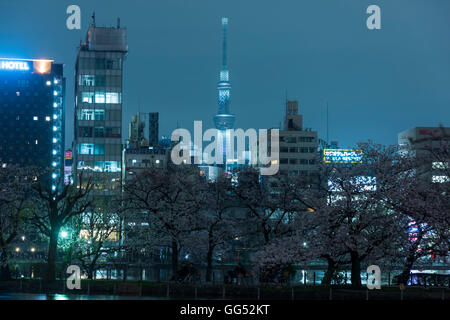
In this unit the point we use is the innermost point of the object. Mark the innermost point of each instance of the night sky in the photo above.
(377, 83)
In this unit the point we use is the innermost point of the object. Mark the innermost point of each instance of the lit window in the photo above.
(99, 97)
(35, 118)
(49, 83)
(47, 118)
(439, 179)
(36, 142)
(87, 97)
(439, 165)
(86, 148)
(157, 161)
(112, 97)
(87, 80)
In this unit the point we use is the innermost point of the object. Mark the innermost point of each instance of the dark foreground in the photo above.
(121, 290)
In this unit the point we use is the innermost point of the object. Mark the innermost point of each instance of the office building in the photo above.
(98, 106)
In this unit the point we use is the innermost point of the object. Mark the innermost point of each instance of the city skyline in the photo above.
(377, 83)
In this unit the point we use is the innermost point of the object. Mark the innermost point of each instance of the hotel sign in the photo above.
(41, 66)
(342, 156)
(14, 65)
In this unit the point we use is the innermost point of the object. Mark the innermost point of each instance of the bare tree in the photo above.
(96, 233)
(54, 208)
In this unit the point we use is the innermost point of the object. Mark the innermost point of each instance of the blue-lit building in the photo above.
(32, 112)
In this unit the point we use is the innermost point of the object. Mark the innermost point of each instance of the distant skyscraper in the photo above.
(32, 107)
(153, 128)
(224, 120)
(98, 105)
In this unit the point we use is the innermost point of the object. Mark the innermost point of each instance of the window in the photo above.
(87, 97)
(86, 148)
(35, 118)
(291, 140)
(293, 150)
(99, 114)
(86, 132)
(113, 132)
(87, 80)
(100, 80)
(99, 149)
(292, 161)
(99, 97)
(440, 179)
(284, 149)
(439, 165)
(92, 114)
(283, 161)
(99, 132)
(113, 97)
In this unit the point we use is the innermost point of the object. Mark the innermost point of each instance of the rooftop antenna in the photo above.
(93, 19)
(224, 42)
(118, 22)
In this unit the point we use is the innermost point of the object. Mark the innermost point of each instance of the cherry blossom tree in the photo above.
(14, 209)
(170, 202)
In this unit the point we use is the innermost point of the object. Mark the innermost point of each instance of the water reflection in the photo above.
(36, 296)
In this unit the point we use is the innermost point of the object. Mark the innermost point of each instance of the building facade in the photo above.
(32, 113)
(298, 146)
(139, 154)
(419, 142)
(97, 149)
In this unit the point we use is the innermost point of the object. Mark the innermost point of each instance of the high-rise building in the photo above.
(98, 105)
(298, 145)
(32, 114)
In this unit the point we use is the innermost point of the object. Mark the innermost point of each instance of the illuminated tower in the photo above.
(224, 120)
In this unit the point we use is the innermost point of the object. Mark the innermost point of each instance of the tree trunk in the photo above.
(174, 258)
(356, 269)
(209, 264)
(404, 276)
(331, 268)
(5, 274)
(52, 252)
